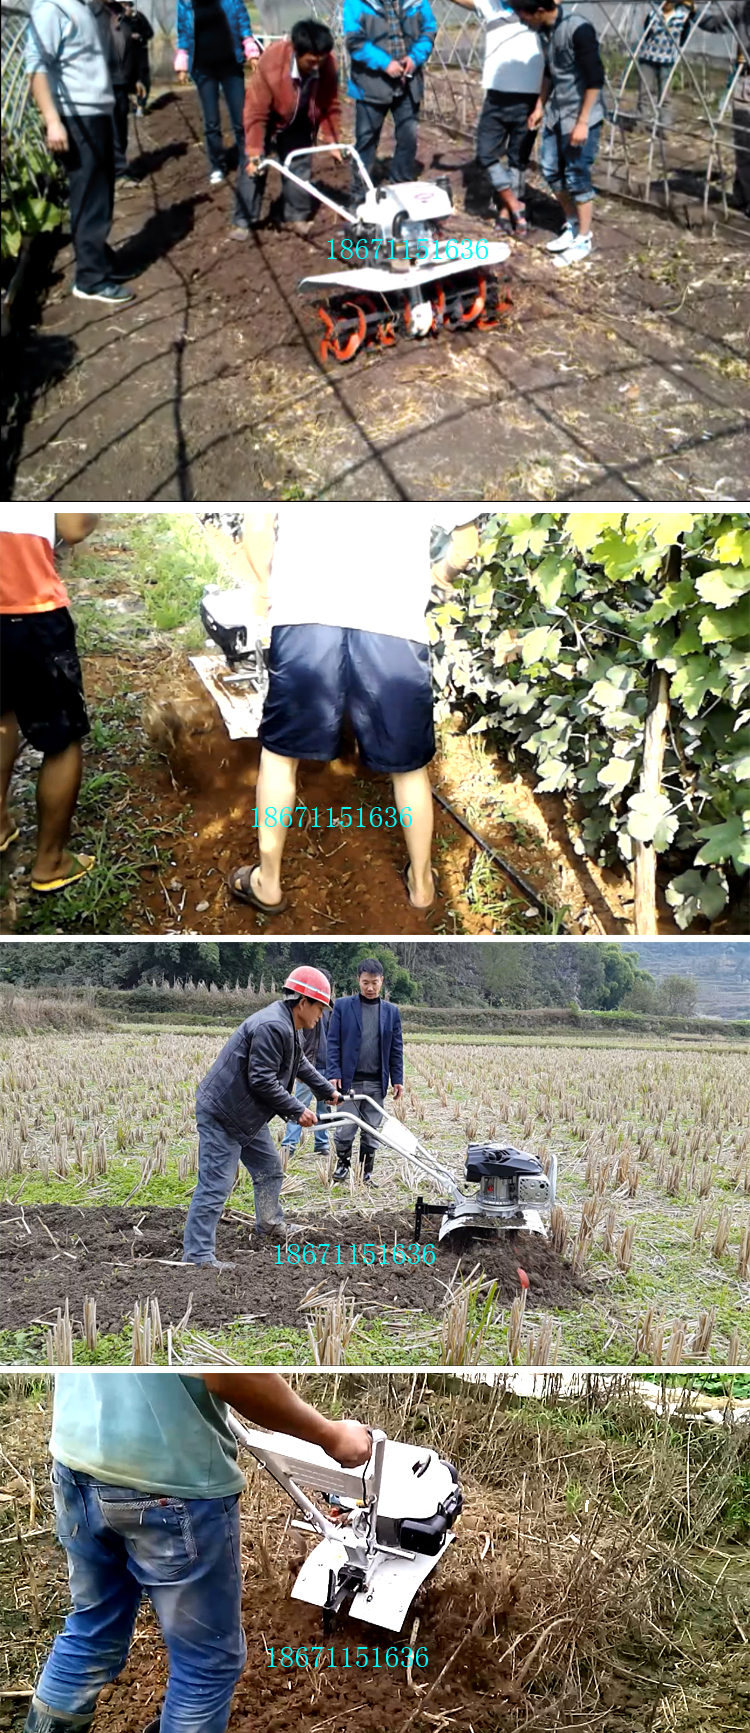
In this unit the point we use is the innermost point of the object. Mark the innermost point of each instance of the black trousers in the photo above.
(503, 132)
(90, 167)
(120, 120)
(295, 205)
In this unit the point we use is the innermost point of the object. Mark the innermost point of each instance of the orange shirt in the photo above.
(29, 583)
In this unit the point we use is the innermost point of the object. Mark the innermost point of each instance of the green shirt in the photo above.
(155, 1431)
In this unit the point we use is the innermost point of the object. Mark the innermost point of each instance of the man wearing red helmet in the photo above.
(252, 1080)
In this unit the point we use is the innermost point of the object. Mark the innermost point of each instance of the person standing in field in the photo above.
(314, 1044)
(252, 1080)
(214, 39)
(389, 43)
(42, 685)
(365, 1054)
(512, 80)
(570, 110)
(68, 61)
(348, 589)
(734, 16)
(146, 1486)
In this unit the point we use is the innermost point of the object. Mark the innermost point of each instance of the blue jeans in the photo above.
(568, 166)
(233, 86)
(368, 124)
(184, 1554)
(219, 1154)
(293, 1131)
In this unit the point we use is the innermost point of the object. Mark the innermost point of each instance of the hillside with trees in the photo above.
(681, 979)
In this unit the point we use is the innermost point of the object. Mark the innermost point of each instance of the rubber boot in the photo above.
(269, 1216)
(341, 1171)
(42, 1719)
(367, 1169)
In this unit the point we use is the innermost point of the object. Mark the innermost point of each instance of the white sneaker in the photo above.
(562, 241)
(578, 250)
(216, 177)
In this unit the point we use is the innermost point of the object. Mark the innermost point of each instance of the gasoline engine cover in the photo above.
(419, 1499)
(501, 1161)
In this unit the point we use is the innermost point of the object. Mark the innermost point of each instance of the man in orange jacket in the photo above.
(293, 95)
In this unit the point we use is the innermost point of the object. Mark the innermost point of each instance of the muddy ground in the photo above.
(119, 1255)
(626, 380)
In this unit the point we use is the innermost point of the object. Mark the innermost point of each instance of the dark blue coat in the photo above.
(345, 1037)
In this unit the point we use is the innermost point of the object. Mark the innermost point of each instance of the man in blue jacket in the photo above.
(365, 1053)
(389, 42)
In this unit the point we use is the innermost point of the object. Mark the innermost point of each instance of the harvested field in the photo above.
(585, 1588)
(653, 1188)
(626, 380)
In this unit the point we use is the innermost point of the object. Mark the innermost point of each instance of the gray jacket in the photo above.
(254, 1076)
(568, 85)
(733, 15)
(65, 39)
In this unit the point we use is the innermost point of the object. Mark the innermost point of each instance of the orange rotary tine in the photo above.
(355, 338)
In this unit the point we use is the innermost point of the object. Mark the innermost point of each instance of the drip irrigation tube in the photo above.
(521, 884)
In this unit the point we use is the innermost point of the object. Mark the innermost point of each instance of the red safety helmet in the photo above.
(310, 982)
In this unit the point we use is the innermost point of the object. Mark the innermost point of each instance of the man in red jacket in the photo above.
(293, 94)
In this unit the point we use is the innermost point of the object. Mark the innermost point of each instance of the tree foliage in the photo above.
(548, 649)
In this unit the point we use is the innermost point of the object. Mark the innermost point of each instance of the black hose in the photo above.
(521, 884)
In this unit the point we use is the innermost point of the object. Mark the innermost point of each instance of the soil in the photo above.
(299, 1700)
(114, 1254)
(625, 380)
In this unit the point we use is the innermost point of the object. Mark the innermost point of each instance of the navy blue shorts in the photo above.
(319, 674)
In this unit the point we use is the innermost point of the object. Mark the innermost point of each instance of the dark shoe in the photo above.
(207, 1263)
(153, 1726)
(341, 1172)
(121, 270)
(369, 1163)
(41, 1719)
(115, 294)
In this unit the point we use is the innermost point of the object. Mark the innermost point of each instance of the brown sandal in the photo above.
(245, 894)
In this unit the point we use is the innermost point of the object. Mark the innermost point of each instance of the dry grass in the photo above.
(597, 1577)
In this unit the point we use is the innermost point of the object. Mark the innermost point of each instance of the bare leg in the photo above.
(277, 788)
(413, 790)
(56, 796)
(585, 214)
(8, 755)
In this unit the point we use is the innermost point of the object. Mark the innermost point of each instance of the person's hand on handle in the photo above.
(252, 164)
(336, 156)
(398, 1090)
(394, 69)
(57, 137)
(307, 1117)
(350, 1444)
(408, 66)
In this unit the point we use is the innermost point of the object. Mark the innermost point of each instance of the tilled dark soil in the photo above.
(58, 1251)
(300, 1699)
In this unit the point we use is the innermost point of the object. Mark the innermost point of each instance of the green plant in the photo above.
(32, 193)
(597, 600)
